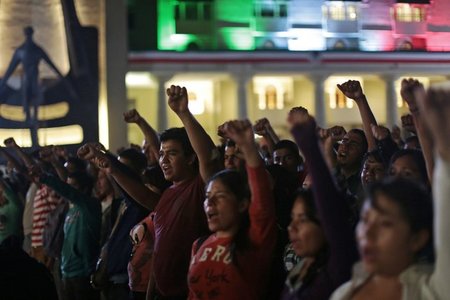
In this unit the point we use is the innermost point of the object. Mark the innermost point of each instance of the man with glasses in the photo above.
(349, 158)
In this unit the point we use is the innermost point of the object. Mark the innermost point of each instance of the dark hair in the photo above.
(415, 205)
(79, 164)
(376, 155)
(413, 199)
(287, 144)
(237, 184)
(417, 158)
(137, 159)
(180, 135)
(306, 196)
(85, 182)
(361, 133)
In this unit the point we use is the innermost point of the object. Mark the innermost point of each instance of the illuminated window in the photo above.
(409, 13)
(351, 13)
(337, 100)
(337, 12)
(271, 97)
(273, 92)
(340, 12)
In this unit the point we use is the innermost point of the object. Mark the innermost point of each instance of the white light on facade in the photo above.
(137, 79)
(200, 93)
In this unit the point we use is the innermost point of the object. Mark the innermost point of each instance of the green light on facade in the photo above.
(238, 39)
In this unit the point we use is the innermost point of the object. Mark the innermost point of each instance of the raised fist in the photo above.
(178, 99)
(298, 115)
(351, 89)
(240, 131)
(261, 126)
(379, 132)
(131, 116)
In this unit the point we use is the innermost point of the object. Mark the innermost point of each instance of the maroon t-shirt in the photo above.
(179, 220)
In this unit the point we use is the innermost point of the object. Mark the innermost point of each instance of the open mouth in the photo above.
(211, 215)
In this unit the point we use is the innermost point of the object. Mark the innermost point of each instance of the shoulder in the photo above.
(343, 292)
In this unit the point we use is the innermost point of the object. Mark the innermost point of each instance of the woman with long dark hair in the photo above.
(234, 262)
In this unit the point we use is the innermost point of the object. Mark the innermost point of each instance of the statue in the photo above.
(29, 54)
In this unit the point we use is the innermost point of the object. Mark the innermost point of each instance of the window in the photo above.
(337, 13)
(282, 10)
(177, 11)
(206, 11)
(351, 13)
(409, 13)
(267, 10)
(271, 97)
(340, 12)
(191, 11)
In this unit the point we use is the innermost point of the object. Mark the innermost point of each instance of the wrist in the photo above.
(360, 98)
(184, 114)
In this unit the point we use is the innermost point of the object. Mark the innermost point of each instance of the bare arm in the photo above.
(202, 144)
(151, 137)
(413, 92)
(352, 89)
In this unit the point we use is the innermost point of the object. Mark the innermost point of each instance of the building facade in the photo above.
(272, 55)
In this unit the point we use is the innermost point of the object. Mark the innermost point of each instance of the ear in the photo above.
(419, 240)
(243, 205)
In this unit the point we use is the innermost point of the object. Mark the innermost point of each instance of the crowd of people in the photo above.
(358, 214)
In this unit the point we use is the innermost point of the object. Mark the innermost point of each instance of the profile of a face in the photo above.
(386, 241)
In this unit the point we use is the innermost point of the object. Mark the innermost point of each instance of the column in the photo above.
(242, 80)
(319, 98)
(391, 100)
(162, 101)
(113, 68)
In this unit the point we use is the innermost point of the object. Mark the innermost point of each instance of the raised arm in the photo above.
(130, 182)
(263, 128)
(207, 153)
(436, 109)
(47, 154)
(262, 205)
(11, 159)
(413, 92)
(352, 89)
(385, 143)
(330, 202)
(150, 135)
(27, 160)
